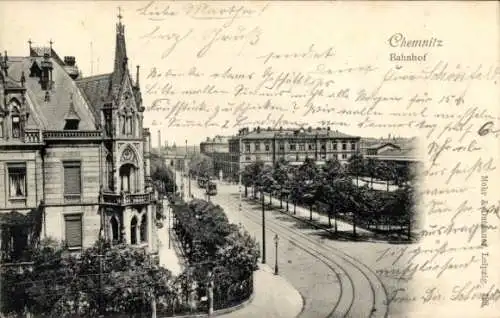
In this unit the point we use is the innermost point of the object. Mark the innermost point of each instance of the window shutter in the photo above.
(73, 224)
(72, 179)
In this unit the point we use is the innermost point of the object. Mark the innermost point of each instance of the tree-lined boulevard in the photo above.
(332, 283)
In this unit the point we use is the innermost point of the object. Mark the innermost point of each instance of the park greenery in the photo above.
(216, 251)
(102, 279)
(111, 280)
(343, 192)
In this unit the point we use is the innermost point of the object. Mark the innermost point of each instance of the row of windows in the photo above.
(72, 180)
(301, 146)
(73, 230)
(16, 239)
(298, 157)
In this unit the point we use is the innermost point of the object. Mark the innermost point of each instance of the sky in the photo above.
(86, 30)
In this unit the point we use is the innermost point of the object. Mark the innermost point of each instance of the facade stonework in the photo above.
(74, 151)
(293, 145)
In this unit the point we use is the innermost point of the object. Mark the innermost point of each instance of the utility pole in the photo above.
(188, 171)
(263, 229)
(210, 294)
(169, 227)
(101, 300)
(239, 175)
(152, 295)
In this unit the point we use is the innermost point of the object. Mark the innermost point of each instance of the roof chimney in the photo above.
(70, 67)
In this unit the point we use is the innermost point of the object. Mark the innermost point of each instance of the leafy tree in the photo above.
(385, 171)
(121, 278)
(163, 178)
(333, 174)
(201, 165)
(266, 181)
(38, 289)
(402, 206)
(371, 169)
(240, 254)
(355, 166)
(251, 175)
(280, 175)
(306, 183)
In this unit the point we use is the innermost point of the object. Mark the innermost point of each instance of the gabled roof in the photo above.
(53, 111)
(71, 114)
(378, 146)
(95, 89)
(295, 133)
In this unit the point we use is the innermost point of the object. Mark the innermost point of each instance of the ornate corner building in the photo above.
(74, 156)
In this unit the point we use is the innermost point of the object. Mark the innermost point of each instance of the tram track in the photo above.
(349, 304)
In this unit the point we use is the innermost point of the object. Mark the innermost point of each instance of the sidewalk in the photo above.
(319, 219)
(274, 297)
(168, 256)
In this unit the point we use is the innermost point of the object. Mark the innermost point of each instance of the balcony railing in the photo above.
(127, 198)
(71, 134)
(32, 136)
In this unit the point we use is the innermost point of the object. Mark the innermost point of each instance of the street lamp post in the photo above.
(276, 241)
(263, 228)
(168, 226)
(188, 171)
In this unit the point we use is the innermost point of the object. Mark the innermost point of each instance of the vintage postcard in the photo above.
(249, 159)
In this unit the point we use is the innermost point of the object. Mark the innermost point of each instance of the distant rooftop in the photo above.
(263, 133)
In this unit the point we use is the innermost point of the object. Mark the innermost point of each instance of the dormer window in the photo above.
(71, 124)
(71, 117)
(16, 126)
(35, 70)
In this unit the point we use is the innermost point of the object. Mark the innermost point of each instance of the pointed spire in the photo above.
(119, 26)
(120, 66)
(23, 78)
(50, 43)
(137, 77)
(71, 114)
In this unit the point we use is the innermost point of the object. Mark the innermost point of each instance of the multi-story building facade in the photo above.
(217, 148)
(397, 150)
(74, 156)
(293, 145)
(216, 144)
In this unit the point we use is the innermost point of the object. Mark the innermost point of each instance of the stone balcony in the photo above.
(124, 199)
(33, 136)
(71, 134)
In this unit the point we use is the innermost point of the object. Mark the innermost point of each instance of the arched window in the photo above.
(115, 230)
(109, 172)
(16, 120)
(124, 126)
(129, 124)
(128, 178)
(133, 231)
(144, 228)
